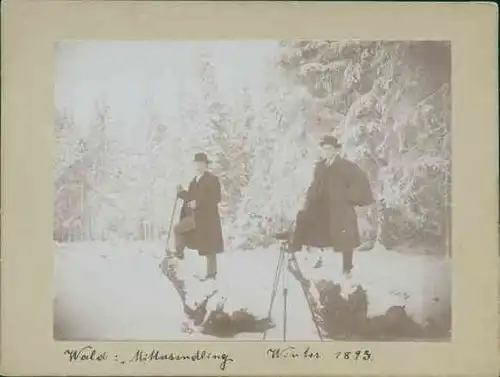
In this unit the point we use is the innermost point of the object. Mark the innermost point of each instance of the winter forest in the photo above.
(388, 102)
(131, 115)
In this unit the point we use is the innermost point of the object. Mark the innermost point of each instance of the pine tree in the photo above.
(68, 179)
(226, 143)
(281, 165)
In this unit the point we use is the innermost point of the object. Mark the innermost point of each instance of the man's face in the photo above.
(328, 151)
(200, 166)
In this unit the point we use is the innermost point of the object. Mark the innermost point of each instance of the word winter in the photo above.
(292, 353)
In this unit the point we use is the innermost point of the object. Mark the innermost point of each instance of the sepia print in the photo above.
(253, 190)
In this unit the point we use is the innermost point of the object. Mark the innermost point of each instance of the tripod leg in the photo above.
(277, 274)
(285, 305)
(276, 280)
(293, 261)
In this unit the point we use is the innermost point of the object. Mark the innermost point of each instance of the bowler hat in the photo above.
(201, 157)
(330, 140)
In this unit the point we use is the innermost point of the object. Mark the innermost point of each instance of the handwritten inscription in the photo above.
(364, 355)
(155, 355)
(292, 353)
(90, 354)
(308, 353)
(87, 353)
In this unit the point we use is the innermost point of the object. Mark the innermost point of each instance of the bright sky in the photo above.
(126, 74)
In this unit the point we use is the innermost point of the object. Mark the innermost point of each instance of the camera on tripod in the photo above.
(282, 270)
(283, 236)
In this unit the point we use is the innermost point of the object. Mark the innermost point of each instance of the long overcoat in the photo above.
(207, 237)
(331, 199)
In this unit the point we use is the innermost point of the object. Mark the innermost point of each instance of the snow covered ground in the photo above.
(116, 291)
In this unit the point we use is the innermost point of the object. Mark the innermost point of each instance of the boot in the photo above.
(208, 277)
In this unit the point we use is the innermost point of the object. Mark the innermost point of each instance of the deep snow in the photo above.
(116, 291)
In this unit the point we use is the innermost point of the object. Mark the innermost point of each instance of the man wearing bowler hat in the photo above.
(200, 226)
(328, 218)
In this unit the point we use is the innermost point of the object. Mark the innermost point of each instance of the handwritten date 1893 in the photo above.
(365, 355)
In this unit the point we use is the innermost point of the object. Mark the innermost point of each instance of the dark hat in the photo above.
(201, 157)
(330, 140)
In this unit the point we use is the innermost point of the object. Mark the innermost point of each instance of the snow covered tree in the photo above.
(80, 176)
(391, 106)
(281, 167)
(226, 127)
(68, 181)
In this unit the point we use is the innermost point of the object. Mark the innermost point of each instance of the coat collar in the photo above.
(331, 162)
(205, 173)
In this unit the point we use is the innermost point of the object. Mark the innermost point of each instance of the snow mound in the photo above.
(213, 306)
(420, 283)
(108, 291)
(390, 293)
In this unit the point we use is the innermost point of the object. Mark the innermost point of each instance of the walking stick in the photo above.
(170, 225)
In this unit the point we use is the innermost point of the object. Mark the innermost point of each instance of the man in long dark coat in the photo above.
(328, 218)
(200, 226)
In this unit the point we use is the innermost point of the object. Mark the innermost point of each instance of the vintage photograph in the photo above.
(252, 190)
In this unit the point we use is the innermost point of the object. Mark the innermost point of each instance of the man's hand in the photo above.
(192, 204)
